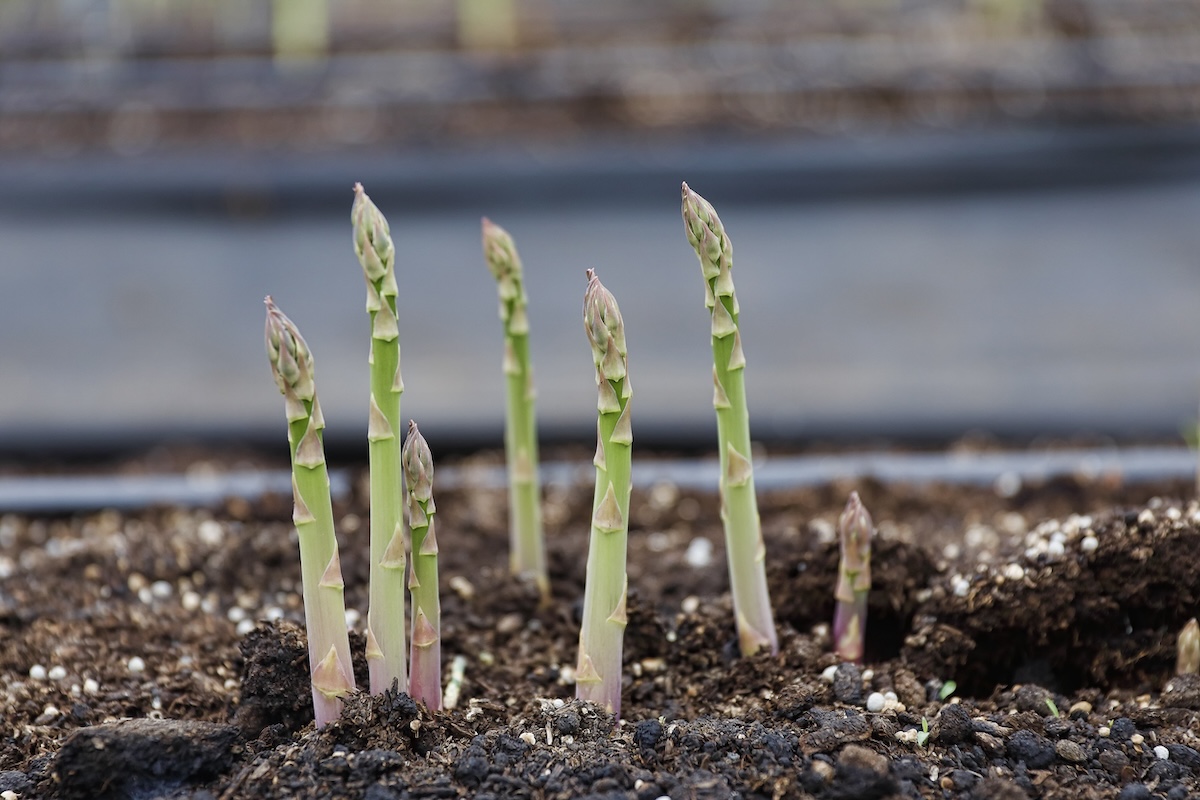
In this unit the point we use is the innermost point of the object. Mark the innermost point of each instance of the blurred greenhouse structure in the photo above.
(949, 214)
(134, 75)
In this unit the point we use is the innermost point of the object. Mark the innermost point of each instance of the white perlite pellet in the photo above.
(699, 553)
(37, 672)
(1089, 544)
(57, 673)
(136, 664)
(875, 702)
(1162, 752)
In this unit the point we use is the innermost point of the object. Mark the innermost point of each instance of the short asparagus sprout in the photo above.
(855, 530)
(739, 504)
(1188, 649)
(425, 682)
(526, 548)
(598, 671)
(321, 572)
(385, 614)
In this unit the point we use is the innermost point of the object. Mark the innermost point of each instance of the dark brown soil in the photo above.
(1055, 610)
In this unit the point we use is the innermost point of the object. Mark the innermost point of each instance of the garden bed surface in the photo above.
(161, 654)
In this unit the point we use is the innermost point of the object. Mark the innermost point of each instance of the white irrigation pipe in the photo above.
(63, 494)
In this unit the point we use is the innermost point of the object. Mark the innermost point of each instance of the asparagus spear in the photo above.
(739, 505)
(526, 548)
(855, 530)
(1188, 649)
(320, 567)
(598, 671)
(425, 685)
(385, 614)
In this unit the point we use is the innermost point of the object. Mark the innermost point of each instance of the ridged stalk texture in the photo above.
(598, 670)
(526, 546)
(855, 530)
(739, 504)
(385, 614)
(320, 567)
(425, 680)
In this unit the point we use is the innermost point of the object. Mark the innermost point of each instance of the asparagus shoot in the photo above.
(526, 548)
(321, 571)
(425, 682)
(385, 614)
(1187, 647)
(739, 505)
(855, 530)
(598, 671)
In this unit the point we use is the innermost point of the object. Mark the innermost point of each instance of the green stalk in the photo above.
(855, 530)
(598, 671)
(739, 505)
(320, 568)
(385, 615)
(526, 547)
(425, 685)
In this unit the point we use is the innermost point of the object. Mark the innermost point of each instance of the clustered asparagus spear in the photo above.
(739, 505)
(598, 671)
(321, 571)
(855, 530)
(1188, 649)
(526, 549)
(385, 615)
(425, 683)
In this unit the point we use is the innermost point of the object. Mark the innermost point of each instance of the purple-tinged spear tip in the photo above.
(855, 529)
(418, 463)
(291, 360)
(372, 237)
(605, 329)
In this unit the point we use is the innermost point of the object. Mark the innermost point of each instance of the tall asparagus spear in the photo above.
(739, 505)
(855, 530)
(425, 683)
(526, 548)
(320, 568)
(598, 672)
(385, 615)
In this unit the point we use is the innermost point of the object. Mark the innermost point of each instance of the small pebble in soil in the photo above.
(37, 672)
(1071, 752)
(1123, 729)
(136, 664)
(875, 702)
(1161, 752)
(1135, 791)
(1036, 751)
(847, 683)
(699, 553)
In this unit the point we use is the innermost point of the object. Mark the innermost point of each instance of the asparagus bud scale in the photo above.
(321, 572)
(739, 505)
(598, 671)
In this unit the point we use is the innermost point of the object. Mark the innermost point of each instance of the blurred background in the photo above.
(948, 215)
